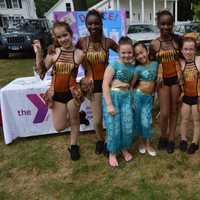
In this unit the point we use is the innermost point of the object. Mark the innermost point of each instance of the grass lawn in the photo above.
(39, 168)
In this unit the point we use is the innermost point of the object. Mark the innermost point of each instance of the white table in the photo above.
(24, 112)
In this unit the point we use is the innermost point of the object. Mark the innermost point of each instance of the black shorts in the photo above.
(97, 86)
(190, 100)
(170, 81)
(62, 97)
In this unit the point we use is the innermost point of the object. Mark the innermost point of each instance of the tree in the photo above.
(84, 4)
(196, 8)
(80, 5)
(43, 6)
(184, 10)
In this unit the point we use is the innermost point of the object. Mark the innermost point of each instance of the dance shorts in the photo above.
(62, 97)
(190, 100)
(170, 81)
(97, 86)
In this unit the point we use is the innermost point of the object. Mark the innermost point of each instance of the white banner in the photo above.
(24, 112)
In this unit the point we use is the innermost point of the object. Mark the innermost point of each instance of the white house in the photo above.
(61, 5)
(13, 10)
(139, 11)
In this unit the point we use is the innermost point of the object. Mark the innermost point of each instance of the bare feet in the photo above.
(127, 156)
(113, 160)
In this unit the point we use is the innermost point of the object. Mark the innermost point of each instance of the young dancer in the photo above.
(117, 105)
(65, 97)
(190, 66)
(144, 81)
(96, 47)
(166, 50)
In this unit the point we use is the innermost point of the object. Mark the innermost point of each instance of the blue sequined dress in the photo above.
(143, 102)
(119, 128)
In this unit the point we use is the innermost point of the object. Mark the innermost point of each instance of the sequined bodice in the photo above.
(123, 72)
(148, 72)
(190, 76)
(62, 73)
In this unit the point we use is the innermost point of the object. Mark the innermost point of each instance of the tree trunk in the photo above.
(80, 5)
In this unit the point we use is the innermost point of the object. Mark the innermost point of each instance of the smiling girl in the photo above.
(117, 105)
(96, 47)
(65, 98)
(165, 49)
(190, 66)
(143, 82)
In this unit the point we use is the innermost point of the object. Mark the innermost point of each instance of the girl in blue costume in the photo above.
(117, 106)
(144, 84)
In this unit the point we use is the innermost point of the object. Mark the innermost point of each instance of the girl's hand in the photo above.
(181, 97)
(37, 47)
(111, 110)
(77, 94)
(86, 84)
(47, 96)
(51, 49)
(159, 84)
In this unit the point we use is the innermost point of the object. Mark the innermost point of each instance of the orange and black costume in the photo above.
(95, 61)
(64, 76)
(169, 70)
(191, 83)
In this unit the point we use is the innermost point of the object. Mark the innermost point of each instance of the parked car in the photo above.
(20, 38)
(142, 32)
(187, 27)
(3, 49)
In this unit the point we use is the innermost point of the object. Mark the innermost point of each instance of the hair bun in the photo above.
(191, 35)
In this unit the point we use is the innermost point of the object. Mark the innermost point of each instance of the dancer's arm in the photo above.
(153, 48)
(42, 64)
(113, 45)
(75, 90)
(108, 77)
(134, 81)
(197, 61)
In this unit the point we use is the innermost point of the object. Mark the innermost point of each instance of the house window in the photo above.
(15, 3)
(68, 7)
(9, 3)
(2, 4)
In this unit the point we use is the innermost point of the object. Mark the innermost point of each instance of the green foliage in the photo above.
(196, 8)
(92, 2)
(43, 6)
(14, 68)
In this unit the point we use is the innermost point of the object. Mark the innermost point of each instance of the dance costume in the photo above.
(191, 83)
(143, 102)
(96, 60)
(169, 69)
(64, 73)
(119, 128)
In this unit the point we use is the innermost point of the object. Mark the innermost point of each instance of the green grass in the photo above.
(13, 68)
(40, 168)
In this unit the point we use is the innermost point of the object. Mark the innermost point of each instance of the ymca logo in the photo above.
(42, 108)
